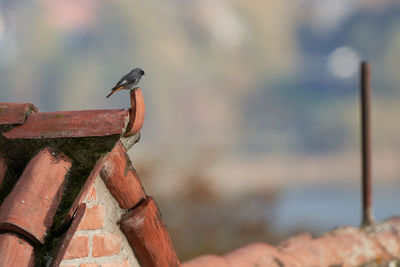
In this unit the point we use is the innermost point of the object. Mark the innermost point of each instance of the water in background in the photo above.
(323, 208)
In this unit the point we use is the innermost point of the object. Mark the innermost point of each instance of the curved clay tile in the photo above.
(121, 179)
(82, 123)
(148, 236)
(15, 113)
(207, 261)
(137, 112)
(377, 245)
(15, 251)
(30, 207)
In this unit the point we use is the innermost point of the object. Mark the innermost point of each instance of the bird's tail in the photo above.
(114, 90)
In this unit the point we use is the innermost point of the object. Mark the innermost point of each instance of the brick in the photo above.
(15, 113)
(30, 207)
(84, 191)
(78, 248)
(62, 124)
(106, 245)
(64, 244)
(121, 179)
(137, 111)
(93, 218)
(15, 252)
(116, 264)
(148, 236)
(91, 194)
(89, 265)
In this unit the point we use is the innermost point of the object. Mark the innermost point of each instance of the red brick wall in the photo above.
(98, 240)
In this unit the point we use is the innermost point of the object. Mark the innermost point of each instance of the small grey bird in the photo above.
(128, 81)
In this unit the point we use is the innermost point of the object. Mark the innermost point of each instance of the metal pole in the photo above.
(367, 209)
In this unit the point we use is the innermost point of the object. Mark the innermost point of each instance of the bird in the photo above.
(128, 82)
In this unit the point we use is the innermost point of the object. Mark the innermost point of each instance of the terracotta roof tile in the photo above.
(257, 254)
(15, 113)
(207, 261)
(34, 196)
(121, 179)
(148, 236)
(61, 124)
(15, 251)
(31, 205)
(137, 112)
(346, 246)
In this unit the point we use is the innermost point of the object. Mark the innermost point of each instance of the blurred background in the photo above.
(252, 107)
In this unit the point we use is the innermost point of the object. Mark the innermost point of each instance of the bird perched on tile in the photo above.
(128, 81)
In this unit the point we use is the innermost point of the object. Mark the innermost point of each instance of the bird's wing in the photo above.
(120, 83)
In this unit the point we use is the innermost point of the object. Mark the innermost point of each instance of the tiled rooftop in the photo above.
(48, 164)
(377, 245)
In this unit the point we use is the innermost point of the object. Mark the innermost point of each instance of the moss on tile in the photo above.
(84, 153)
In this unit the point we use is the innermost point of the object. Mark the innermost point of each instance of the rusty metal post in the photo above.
(367, 208)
